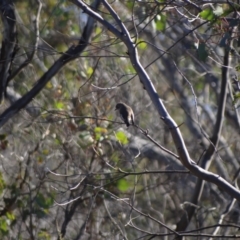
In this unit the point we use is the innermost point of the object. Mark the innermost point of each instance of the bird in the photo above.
(126, 113)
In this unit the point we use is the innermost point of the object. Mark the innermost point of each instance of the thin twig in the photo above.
(145, 133)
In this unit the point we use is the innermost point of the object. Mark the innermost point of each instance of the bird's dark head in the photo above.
(118, 106)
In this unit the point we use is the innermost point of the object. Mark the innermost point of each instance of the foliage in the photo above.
(70, 170)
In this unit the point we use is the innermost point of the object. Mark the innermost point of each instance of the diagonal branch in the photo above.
(72, 53)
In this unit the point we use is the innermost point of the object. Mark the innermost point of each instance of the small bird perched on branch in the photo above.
(126, 113)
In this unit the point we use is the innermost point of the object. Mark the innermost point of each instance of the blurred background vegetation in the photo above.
(71, 170)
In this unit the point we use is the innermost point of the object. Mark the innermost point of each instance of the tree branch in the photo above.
(72, 53)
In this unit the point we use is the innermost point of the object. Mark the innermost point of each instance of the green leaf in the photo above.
(99, 131)
(3, 226)
(2, 184)
(141, 44)
(49, 85)
(130, 4)
(121, 137)
(123, 185)
(57, 141)
(98, 30)
(160, 22)
(45, 151)
(202, 52)
(89, 71)
(10, 216)
(59, 105)
(207, 14)
(130, 69)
